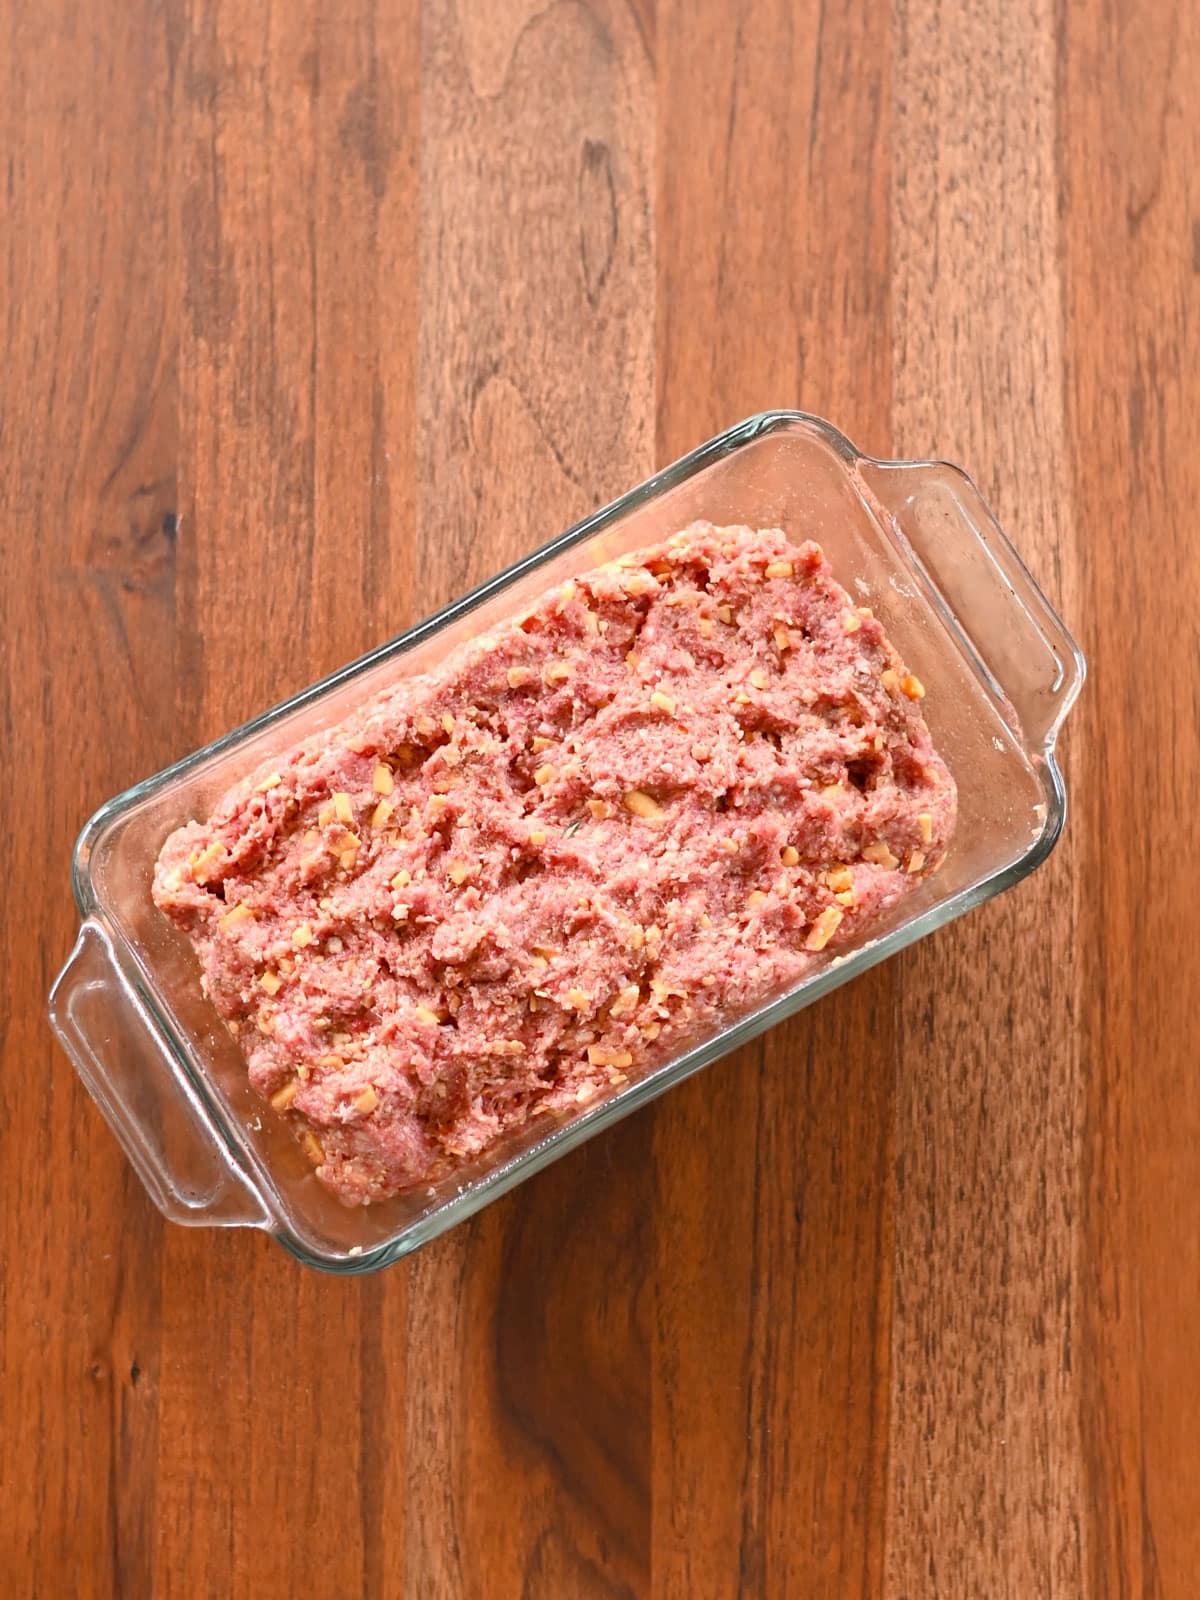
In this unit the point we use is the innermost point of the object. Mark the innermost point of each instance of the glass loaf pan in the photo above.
(914, 540)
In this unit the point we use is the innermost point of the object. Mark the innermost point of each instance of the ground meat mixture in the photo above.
(658, 796)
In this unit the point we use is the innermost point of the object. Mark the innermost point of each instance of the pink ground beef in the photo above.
(651, 801)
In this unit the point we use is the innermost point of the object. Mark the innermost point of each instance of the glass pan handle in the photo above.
(988, 593)
(145, 1095)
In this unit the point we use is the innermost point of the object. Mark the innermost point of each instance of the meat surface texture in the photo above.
(660, 795)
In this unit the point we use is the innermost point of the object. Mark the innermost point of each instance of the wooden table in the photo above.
(316, 314)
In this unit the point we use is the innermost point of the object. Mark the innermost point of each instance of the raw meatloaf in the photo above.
(655, 798)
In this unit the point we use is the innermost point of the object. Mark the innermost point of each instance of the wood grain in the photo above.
(315, 316)
(984, 1489)
(528, 1426)
(88, 421)
(298, 386)
(1132, 253)
(773, 1287)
